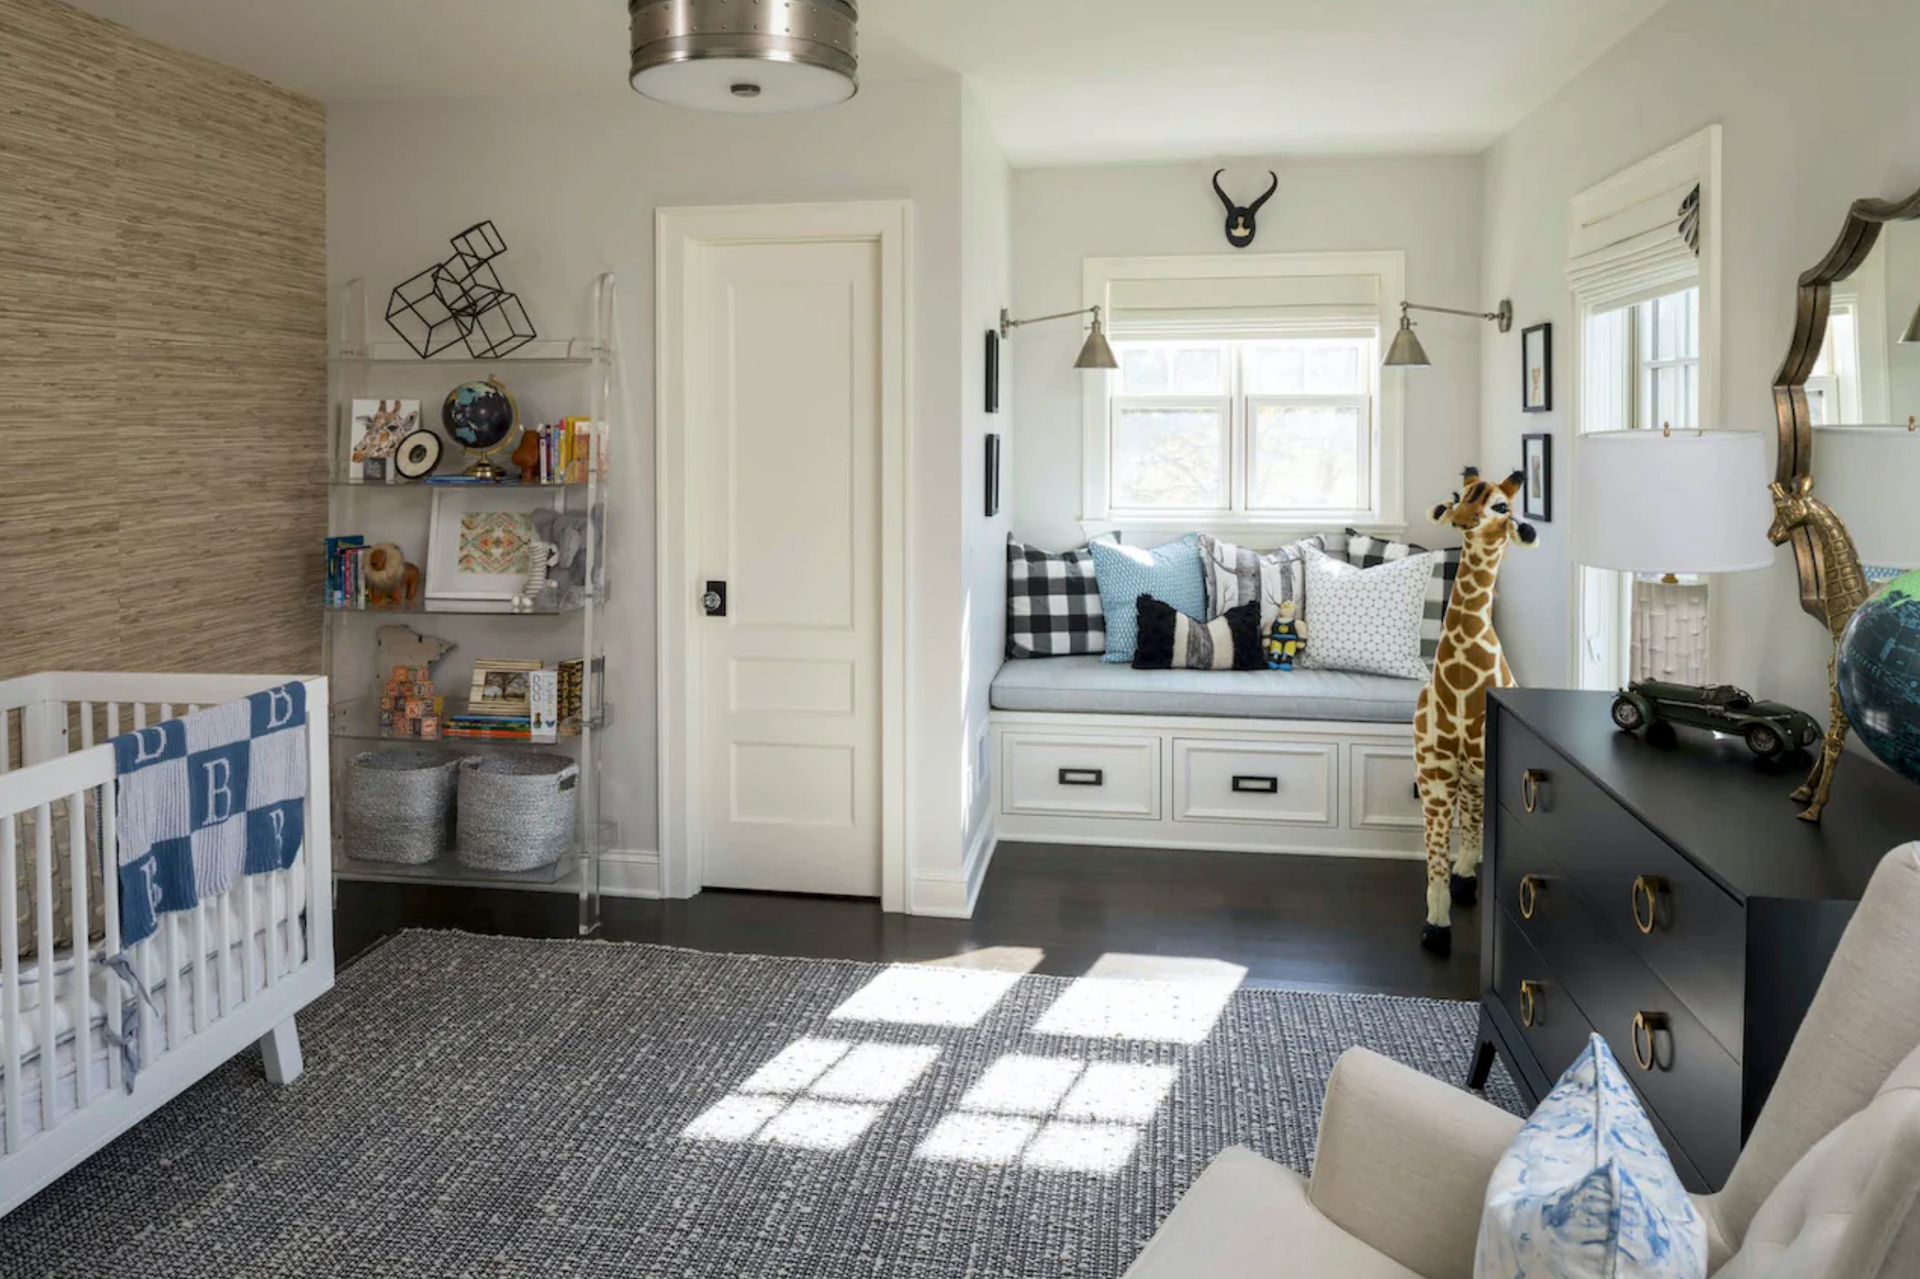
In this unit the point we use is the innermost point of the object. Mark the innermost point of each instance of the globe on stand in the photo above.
(1879, 674)
(480, 417)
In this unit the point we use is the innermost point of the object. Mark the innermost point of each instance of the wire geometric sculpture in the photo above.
(462, 300)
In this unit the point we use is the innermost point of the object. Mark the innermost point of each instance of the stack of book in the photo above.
(498, 706)
(346, 572)
(566, 451)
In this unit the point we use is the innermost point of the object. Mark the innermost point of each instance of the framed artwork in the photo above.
(993, 476)
(1536, 369)
(993, 371)
(1536, 452)
(478, 541)
(378, 426)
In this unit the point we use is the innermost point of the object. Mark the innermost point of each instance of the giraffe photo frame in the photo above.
(1536, 463)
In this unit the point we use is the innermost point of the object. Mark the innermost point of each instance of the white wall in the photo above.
(1428, 207)
(986, 254)
(1818, 109)
(573, 180)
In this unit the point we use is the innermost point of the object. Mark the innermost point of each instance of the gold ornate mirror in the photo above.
(1873, 322)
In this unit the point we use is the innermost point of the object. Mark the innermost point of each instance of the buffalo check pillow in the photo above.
(1053, 603)
(1366, 551)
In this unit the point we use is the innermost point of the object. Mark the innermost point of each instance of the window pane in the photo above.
(1172, 368)
(1170, 459)
(1693, 324)
(1604, 395)
(1666, 398)
(1307, 458)
(1310, 366)
(1692, 396)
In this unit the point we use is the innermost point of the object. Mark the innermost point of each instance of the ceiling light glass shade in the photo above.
(745, 56)
(1098, 352)
(1406, 351)
(1913, 329)
(1690, 502)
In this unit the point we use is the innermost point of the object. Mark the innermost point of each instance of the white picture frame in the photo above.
(447, 579)
(391, 421)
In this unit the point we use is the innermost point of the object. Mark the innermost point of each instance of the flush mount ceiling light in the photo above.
(746, 56)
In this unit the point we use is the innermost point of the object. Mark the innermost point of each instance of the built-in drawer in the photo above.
(1382, 793)
(1540, 1004)
(1687, 929)
(1074, 775)
(1285, 784)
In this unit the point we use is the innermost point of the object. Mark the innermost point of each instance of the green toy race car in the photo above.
(1768, 728)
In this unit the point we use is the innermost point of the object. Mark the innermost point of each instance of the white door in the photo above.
(786, 414)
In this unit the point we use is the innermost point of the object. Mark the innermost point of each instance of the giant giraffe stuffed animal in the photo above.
(1450, 721)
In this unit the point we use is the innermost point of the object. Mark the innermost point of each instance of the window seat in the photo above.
(1089, 686)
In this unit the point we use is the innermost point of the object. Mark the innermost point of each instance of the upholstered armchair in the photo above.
(1825, 1188)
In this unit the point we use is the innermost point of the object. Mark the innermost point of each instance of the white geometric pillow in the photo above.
(1366, 620)
(1586, 1190)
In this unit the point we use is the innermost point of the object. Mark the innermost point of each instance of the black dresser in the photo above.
(1660, 890)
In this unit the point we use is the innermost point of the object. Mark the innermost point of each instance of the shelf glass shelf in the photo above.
(556, 353)
(511, 486)
(358, 720)
(454, 608)
(450, 870)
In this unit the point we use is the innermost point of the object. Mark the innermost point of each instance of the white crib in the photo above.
(228, 974)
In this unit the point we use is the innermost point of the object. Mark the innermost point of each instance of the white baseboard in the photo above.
(953, 896)
(629, 872)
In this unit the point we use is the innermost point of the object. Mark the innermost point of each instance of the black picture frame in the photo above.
(1536, 398)
(993, 371)
(1536, 463)
(993, 476)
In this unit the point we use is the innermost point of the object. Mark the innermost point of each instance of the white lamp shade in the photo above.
(1870, 476)
(1690, 502)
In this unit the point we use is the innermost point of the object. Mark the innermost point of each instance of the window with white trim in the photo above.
(1260, 427)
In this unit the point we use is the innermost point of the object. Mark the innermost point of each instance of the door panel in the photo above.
(789, 355)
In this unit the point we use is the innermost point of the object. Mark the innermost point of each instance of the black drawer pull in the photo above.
(1083, 777)
(1530, 787)
(1530, 886)
(1645, 1026)
(1647, 888)
(1256, 785)
(1530, 992)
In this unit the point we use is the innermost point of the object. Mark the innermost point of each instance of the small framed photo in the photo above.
(478, 542)
(378, 428)
(1536, 453)
(993, 476)
(1536, 369)
(993, 372)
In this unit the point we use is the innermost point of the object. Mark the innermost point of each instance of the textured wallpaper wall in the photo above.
(163, 392)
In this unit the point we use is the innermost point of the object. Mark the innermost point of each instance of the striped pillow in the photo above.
(1367, 551)
(1172, 641)
(1234, 575)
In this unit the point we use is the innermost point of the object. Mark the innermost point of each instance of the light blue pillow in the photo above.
(1170, 573)
(1586, 1190)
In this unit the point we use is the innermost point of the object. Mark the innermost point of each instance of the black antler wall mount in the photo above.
(1241, 227)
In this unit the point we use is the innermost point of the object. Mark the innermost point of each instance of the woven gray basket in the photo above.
(400, 805)
(516, 812)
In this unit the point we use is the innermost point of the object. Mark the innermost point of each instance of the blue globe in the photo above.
(478, 415)
(1880, 674)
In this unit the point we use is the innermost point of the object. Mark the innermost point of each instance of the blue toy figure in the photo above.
(1283, 642)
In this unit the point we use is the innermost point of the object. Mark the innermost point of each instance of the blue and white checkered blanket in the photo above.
(204, 798)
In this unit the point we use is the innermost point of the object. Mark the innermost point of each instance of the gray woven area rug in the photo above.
(485, 1106)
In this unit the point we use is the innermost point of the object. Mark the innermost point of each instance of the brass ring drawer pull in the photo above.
(1530, 886)
(1530, 992)
(1645, 1026)
(1530, 788)
(1647, 888)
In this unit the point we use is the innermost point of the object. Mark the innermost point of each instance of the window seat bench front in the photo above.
(1318, 762)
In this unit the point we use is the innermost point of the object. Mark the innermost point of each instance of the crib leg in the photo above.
(280, 1051)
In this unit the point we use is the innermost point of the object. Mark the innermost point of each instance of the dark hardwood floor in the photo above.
(1314, 922)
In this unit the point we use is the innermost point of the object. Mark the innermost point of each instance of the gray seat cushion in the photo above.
(1089, 686)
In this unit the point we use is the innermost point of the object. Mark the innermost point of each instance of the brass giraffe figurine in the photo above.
(1449, 722)
(1844, 589)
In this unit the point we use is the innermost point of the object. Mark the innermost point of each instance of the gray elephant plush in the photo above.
(569, 530)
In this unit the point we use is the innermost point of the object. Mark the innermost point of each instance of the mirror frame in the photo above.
(1813, 303)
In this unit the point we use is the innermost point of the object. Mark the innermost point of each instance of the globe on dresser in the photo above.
(1880, 674)
(480, 417)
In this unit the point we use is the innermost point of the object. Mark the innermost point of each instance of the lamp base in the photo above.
(1670, 631)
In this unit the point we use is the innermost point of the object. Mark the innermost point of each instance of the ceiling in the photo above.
(1063, 81)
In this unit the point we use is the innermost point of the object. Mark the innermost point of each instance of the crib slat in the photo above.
(80, 977)
(43, 943)
(202, 986)
(11, 1026)
(269, 952)
(110, 911)
(249, 929)
(152, 1043)
(223, 938)
(139, 714)
(86, 725)
(177, 1030)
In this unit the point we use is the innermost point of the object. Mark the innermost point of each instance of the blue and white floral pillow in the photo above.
(1586, 1191)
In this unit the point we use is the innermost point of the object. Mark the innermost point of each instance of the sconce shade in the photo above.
(1406, 351)
(1098, 352)
(1690, 502)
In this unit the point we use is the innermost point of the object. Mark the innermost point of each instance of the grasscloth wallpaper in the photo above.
(162, 355)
